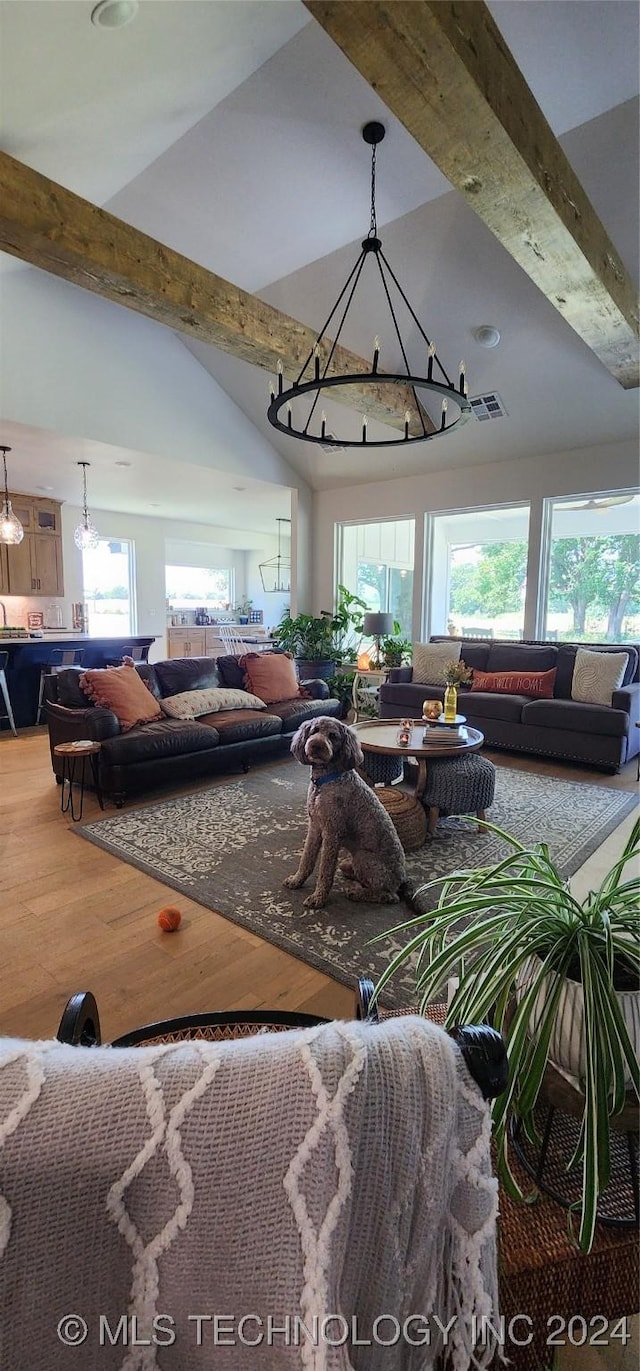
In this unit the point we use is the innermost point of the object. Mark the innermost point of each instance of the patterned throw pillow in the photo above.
(429, 661)
(121, 689)
(272, 676)
(191, 703)
(537, 684)
(596, 675)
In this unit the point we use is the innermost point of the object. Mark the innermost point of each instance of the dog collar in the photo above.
(330, 776)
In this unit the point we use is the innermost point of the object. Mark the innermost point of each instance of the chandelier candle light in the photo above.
(86, 535)
(299, 402)
(11, 530)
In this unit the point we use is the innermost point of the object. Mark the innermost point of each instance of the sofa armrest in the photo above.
(402, 674)
(628, 699)
(317, 689)
(69, 725)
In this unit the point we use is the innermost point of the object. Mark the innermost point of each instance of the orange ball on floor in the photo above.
(169, 919)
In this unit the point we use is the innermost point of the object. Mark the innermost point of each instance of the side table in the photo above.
(72, 754)
(366, 684)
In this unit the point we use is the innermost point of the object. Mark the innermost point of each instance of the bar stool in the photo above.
(58, 658)
(137, 654)
(4, 658)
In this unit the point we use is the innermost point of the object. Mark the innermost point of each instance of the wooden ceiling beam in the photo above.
(443, 68)
(56, 230)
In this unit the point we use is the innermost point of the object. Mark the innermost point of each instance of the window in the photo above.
(593, 568)
(197, 587)
(107, 576)
(479, 572)
(376, 562)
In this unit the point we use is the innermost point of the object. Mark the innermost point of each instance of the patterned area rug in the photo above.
(230, 846)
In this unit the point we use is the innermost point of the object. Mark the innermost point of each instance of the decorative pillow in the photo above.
(231, 670)
(272, 676)
(538, 684)
(191, 703)
(120, 689)
(429, 661)
(596, 675)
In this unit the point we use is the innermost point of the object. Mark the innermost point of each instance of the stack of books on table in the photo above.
(445, 733)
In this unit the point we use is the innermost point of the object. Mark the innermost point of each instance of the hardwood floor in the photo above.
(73, 917)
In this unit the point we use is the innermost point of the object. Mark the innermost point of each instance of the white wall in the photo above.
(156, 539)
(584, 470)
(74, 364)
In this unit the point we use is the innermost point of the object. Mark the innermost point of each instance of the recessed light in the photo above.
(239, 487)
(114, 14)
(44, 487)
(123, 464)
(487, 336)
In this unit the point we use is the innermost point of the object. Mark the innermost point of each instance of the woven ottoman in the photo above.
(407, 816)
(459, 785)
(381, 769)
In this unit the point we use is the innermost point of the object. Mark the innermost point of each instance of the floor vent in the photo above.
(488, 406)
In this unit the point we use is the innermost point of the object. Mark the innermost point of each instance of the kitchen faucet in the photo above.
(4, 613)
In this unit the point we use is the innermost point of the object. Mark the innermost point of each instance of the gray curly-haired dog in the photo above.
(344, 812)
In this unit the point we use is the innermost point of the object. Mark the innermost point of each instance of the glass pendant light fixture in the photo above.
(86, 535)
(11, 530)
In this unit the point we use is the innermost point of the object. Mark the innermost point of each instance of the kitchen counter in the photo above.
(28, 655)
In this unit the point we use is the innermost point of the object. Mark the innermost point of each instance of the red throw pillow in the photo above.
(537, 684)
(121, 689)
(271, 676)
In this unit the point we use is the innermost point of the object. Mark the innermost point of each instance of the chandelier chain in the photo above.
(5, 450)
(373, 230)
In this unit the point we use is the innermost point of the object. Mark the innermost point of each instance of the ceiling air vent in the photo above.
(488, 406)
(331, 447)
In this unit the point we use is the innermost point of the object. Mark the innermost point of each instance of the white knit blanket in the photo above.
(318, 1200)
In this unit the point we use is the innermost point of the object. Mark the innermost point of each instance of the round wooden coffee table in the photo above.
(381, 736)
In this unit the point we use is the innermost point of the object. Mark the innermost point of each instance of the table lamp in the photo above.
(377, 626)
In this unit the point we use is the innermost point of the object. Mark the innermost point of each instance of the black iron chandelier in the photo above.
(317, 378)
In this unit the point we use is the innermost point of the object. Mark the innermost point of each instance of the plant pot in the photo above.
(243, 618)
(567, 1043)
(311, 669)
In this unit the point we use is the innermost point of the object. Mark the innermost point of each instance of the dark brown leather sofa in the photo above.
(603, 736)
(168, 751)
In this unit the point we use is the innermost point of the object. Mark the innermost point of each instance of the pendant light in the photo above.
(275, 573)
(11, 530)
(86, 535)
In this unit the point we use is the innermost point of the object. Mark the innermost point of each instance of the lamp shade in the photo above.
(377, 625)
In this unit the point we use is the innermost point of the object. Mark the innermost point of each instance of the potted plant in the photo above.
(309, 639)
(321, 642)
(532, 947)
(396, 650)
(243, 610)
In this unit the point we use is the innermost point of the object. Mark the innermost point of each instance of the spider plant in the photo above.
(529, 937)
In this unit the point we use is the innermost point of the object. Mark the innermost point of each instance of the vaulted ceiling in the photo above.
(231, 133)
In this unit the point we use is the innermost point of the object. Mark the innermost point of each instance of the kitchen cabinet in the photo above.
(186, 642)
(34, 566)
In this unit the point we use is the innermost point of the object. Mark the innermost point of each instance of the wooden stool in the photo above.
(406, 814)
(71, 754)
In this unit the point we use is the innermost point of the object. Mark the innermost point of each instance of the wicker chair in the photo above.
(481, 1047)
